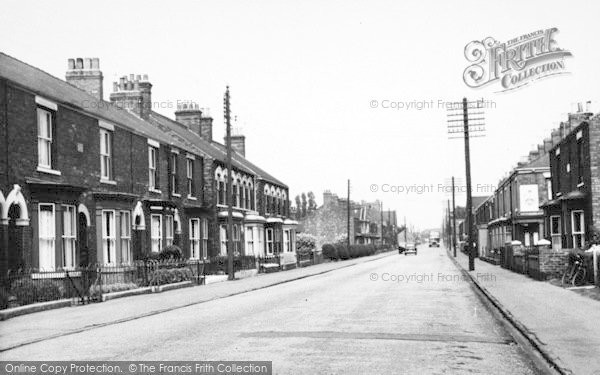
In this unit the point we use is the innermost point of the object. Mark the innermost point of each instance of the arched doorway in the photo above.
(15, 247)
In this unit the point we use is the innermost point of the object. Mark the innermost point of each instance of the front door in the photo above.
(82, 238)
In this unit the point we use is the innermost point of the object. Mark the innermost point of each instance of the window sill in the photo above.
(580, 184)
(155, 191)
(108, 182)
(48, 170)
(192, 198)
(176, 195)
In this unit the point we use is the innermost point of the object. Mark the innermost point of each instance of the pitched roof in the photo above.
(163, 128)
(59, 91)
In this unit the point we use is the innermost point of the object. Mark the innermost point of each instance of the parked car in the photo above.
(401, 248)
(410, 248)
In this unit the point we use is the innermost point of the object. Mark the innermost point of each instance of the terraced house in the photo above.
(84, 180)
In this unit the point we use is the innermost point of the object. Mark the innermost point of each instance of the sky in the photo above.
(310, 81)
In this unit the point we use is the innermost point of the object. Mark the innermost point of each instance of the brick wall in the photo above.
(552, 263)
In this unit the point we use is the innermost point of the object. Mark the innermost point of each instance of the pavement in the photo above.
(389, 314)
(44, 325)
(564, 324)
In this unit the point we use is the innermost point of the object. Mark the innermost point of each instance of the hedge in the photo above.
(340, 251)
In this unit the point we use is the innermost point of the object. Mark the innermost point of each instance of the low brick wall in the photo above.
(553, 262)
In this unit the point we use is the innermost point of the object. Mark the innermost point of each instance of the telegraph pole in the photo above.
(381, 219)
(458, 122)
(449, 228)
(453, 220)
(405, 232)
(229, 242)
(348, 215)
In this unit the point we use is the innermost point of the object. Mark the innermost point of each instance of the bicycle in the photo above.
(576, 272)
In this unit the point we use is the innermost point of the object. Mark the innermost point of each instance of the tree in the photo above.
(298, 206)
(312, 204)
(304, 205)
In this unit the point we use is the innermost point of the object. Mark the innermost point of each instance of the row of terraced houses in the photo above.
(84, 180)
(554, 195)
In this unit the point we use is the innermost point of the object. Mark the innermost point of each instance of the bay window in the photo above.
(194, 238)
(169, 230)
(46, 236)
(68, 237)
(126, 255)
(204, 238)
(156, 233)
(108, 236)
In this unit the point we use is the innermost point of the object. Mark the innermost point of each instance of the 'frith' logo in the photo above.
(514, 63)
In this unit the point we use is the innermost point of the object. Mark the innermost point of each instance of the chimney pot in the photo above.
(87, 63)
(71, 64)
(115, 86)
(138, 77)
(95, 63)
(131, 77)
(145, 77)
(579, 107)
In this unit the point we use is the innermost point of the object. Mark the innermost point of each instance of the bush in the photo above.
(170, 275)
(305, 243)
(341, 251)
(170, 252)
(4, 296)
(329, 252)
(29, 291)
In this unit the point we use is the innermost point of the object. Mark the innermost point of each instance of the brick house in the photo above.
(572, 212)
(329, 222)
(513, 211)
(83, 180)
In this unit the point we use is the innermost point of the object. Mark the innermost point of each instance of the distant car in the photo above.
(401, 248)
(410, 248)
(434, 243)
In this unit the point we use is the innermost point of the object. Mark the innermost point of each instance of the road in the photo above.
(394, 315)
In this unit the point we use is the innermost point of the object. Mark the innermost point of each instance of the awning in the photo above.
(274, 220)
(290, 222)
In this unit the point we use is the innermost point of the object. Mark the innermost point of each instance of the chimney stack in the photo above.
(238, 144)
(189, 114)
(85, 74)
(133, 93)
(547, 145)
(556, 137)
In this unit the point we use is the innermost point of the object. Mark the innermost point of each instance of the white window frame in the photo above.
(236, 239)
(270, 242)
(169, 230)
(69, 237)
(581, 233)
(223, 238)
(152, 168)
(189, 173)
(47, 262)
(156, 238)
(250, 240)
(553, 234)
(109, 238)
(106, 173)
(45, 139)
(287, 240)
(194, 234)
(204, 232)
(174, 180)
(125, 234)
